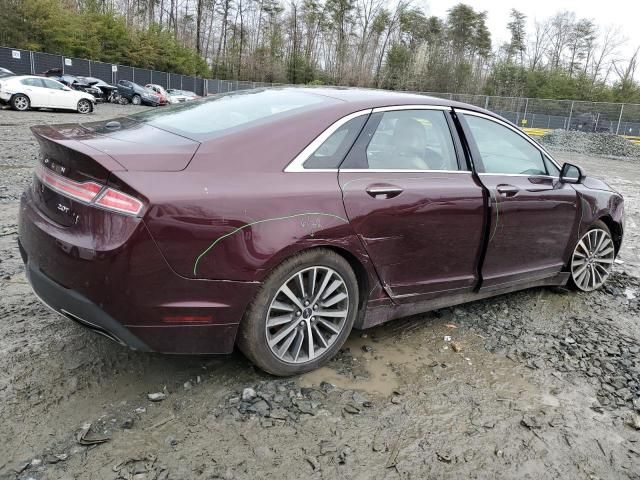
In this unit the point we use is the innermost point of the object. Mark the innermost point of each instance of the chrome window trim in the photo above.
(392, 170)
(515, 175)
(394, 108)
(296, 165)
(516, 130)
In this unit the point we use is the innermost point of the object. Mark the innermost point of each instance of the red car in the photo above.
(280, 219)
(159, 90)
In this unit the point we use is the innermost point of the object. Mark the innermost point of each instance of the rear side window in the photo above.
(211, 116)
(32, 82)
(333, 150)
(503, 150)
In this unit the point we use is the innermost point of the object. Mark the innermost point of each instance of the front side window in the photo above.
(48, 83)
(503, 151)
(412, 140)
(333, 150)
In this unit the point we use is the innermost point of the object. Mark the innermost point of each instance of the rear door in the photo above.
(533, 213)
(414, 203)
(34, 89)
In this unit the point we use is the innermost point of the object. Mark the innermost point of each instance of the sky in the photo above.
(623, 14)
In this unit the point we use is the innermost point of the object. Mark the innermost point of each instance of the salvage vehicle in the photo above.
(280, 219)
(71, 81)
(105, 90)
(160, 91)
(137, 94)
(179, 96)
(23, 92)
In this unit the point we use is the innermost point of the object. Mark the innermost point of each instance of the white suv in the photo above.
(25, 91)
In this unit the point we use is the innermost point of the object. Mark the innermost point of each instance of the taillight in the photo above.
(83, 191)
(120, 202)
(90, 192)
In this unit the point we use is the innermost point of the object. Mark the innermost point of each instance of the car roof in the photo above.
(353, 99)
(379, 98)
(22, 77)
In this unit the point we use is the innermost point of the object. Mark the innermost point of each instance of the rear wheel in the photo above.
(592, 258)
(302, 314)
(136, 100)
(20, 102)
(84, 106)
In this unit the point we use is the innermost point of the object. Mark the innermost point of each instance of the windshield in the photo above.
(209, 117)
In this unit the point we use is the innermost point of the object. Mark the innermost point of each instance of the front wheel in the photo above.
(302, 315)
(136, 100)
(592, 258)
(84, 106)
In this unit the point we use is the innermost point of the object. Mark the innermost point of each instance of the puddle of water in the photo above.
(414, 351)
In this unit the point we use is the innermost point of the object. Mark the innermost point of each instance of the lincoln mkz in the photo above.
(279, 219)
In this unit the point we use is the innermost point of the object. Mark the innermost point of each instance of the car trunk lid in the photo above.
(131, 145)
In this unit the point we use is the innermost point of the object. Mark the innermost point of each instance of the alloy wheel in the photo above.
(592, 260)
(84, 106)
(307, 314)
(21, 103)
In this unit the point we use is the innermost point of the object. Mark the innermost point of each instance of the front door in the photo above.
(534, 215)
(413, 203)
(58, 96)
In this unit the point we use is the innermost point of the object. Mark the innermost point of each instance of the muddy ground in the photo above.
(535, 384)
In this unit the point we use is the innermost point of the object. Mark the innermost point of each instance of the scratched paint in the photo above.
(304, 223)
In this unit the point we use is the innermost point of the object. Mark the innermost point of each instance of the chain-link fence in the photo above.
(544, 114)
(535, 115)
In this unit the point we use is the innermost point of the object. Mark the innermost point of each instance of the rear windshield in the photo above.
(212, 116)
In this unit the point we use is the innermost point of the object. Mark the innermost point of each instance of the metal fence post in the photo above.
(570, 115)
(526, 107)
(486, 103)
(620, 119)
(33, 67)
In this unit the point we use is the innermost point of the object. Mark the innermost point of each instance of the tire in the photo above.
(592, 258)
(20, 102)
(289, 353)
(136, 100)
(84, 106)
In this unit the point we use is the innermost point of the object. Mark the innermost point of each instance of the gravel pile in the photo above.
(283, 401)
(592, 143)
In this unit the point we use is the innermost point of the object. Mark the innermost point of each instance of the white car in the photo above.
(181, 96)
(23, 92)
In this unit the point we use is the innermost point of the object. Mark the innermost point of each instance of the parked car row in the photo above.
(55, 89)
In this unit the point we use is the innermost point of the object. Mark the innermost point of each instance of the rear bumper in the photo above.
(78, 308)
(124, 289)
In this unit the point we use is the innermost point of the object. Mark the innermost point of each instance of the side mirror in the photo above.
(66, 89)
(571, 173)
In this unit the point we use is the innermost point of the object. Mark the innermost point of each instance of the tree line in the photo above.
(390, 44)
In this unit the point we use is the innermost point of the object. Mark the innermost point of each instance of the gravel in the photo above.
(605, 144)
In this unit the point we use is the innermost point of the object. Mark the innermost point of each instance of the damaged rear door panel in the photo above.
(414, 203)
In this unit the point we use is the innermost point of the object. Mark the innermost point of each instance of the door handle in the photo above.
(507, 190)
(384, 191)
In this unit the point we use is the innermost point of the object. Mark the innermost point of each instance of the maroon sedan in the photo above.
(280, 219)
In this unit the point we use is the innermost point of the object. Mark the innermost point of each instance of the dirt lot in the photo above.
(535, 384)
